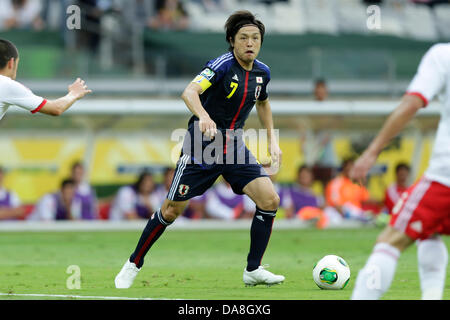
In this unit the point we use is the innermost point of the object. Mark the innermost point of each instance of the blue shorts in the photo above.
(198, 168)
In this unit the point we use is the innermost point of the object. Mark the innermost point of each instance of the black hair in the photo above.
(167, 170)
(66, 183)
(140, 179)
(348, 160)
(320, 81)
(402, 165)
(239, 19)
(77, 164)
(303, 167)
(7, 51)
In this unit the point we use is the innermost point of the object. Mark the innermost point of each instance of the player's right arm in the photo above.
(77, 91)
(21, 96)
(191, 97)
(428, 81)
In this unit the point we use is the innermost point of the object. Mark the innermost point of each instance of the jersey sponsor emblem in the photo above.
(183, 189)
(257, 91)
(207, 73)
(235, 78)
(259, 80)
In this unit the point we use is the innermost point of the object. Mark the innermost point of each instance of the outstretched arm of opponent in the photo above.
(191, 97)
(397, 120)
(77, 91)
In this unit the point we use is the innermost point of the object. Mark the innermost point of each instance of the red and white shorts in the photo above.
(423, 210)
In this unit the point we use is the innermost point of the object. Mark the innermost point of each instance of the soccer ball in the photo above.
(331, 273)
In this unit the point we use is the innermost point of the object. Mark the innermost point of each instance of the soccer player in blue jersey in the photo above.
(221, 98)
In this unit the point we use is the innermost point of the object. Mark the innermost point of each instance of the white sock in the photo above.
(375, 278)
(432, 256)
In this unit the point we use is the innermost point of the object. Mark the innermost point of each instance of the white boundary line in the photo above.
(179, 224)
(76, 296)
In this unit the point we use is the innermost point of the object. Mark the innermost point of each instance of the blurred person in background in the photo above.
(320, 90)
(170, 15)
(223, 203)
(395, 190)
(56, 206)
(345, 198)
(91, 13)
(211, 5)
(196, 206)
(21, 14)
(85, 201)
(134, 201)
(10, 205)
(250, 206)
(14, 93)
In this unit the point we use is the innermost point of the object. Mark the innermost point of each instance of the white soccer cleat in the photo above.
(125, 277)
(261, 276)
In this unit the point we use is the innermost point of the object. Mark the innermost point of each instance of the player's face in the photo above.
(247, 43)
(14, 68)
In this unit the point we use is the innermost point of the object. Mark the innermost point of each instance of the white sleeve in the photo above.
(44, 210)
(126, 200)
(217, 209)
(431, 74)
(19, 95)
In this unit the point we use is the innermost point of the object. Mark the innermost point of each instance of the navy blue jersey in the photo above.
(231, 91)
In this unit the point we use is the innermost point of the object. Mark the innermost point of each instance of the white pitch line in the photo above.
(77, 297)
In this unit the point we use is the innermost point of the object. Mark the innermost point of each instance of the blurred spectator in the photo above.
(223, 203)
(300, 194)
(320, 90)
(395, 190)
(194, 210)
(138, 11)
(85, 202)
(91, 14)
(134, 201)
(345, 197)
(170, 15)
(431, 3)
(369, 2)
(250, 206)
(10, 206)
(210, 5)
(20, 14)
(56, 206)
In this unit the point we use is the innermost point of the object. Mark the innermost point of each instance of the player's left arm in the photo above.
(428, 81)
(398, 119)
(264, 111)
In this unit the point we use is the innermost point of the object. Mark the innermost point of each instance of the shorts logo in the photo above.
(183, 189)
(207, 73)
(257, 91)
(259, 80)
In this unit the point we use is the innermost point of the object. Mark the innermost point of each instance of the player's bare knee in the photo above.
(270, 203)
(171, 210)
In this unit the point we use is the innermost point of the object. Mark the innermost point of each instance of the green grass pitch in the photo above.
(190, 264)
